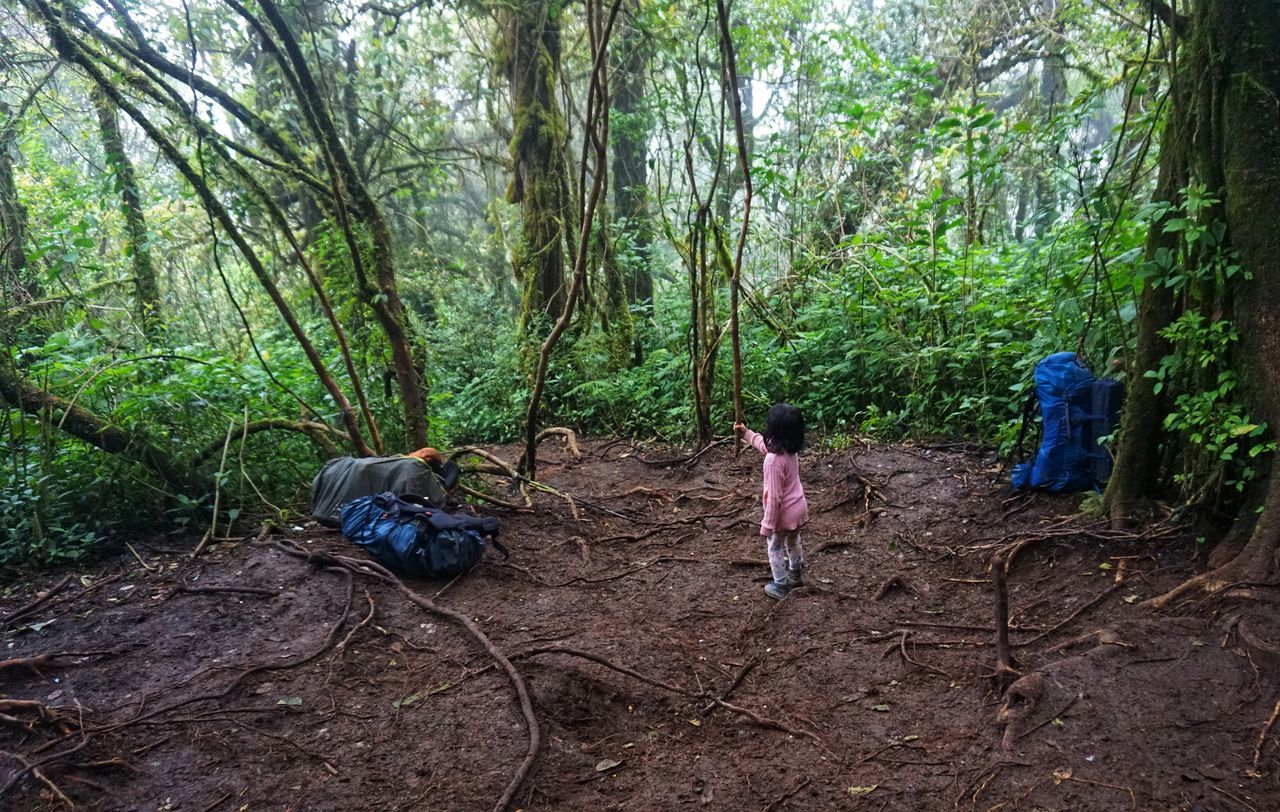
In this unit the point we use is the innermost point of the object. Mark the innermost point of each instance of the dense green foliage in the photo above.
(944, 194)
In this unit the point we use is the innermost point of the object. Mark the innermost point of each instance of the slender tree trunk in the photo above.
(146, 289)
(1137, 469)
(17, 288)
(374, 246)
(630, 139)
(1053, 92)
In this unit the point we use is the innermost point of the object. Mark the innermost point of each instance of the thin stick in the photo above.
(1105, 594)
(1262, 737)
(493, 500)
(1057, 715)
(145, 565)
(217, 494)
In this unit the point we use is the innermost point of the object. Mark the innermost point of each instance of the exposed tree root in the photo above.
(1019, 704)
(34, 663)
(894, 582)
(35, 604)
(570, 439)
(373, 570)
(1006, 667)
(675, 689)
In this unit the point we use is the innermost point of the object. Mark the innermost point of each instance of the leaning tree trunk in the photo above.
(146, 290)
(1235, 57)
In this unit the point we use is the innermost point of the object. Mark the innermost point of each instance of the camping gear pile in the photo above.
(395, 508)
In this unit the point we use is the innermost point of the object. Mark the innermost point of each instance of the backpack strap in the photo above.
(1028, 409)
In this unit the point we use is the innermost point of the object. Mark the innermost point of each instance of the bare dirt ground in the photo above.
(146, 683)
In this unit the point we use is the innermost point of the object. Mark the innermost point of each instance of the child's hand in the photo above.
(740, 428)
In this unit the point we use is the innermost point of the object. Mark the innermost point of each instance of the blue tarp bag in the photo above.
(407, 535)
(1068, 456)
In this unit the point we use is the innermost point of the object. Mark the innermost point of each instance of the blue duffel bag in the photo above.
(408, 535)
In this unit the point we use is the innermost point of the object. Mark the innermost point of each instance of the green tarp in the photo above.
(347, 478)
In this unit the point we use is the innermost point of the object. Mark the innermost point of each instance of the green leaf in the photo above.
(290, 701)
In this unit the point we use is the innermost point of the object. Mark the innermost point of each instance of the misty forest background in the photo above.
(240, 237)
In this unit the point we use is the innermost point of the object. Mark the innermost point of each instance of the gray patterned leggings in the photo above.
(785, 553)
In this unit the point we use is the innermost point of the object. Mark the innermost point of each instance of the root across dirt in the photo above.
(269, 675)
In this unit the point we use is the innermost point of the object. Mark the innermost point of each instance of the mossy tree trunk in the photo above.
(18, 288)
(632, 126)
(531, 61)
(146, 289)
(1233, 61)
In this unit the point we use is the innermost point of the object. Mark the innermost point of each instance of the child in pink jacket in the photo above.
(785, 508)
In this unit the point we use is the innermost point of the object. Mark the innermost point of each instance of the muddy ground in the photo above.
(318, 689)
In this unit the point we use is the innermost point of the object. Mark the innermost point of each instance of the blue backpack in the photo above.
(1075, 409)
(408, 535)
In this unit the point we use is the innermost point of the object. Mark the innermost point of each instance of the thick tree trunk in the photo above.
(539, 183)
(146, 289)
(1236, 57)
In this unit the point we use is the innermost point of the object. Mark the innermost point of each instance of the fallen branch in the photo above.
(493, 500)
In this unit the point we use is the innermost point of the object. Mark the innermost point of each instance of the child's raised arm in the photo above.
(756, 441)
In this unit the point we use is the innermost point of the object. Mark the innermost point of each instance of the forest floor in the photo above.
(319, 689)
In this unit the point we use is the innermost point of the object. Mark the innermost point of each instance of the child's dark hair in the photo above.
(784, 429)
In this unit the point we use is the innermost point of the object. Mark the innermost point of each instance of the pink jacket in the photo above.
(785, 507)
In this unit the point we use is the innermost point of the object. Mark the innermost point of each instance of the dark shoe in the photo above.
(777, 590)
(795, 577)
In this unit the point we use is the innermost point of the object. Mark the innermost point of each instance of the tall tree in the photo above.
(1230, 64)
(17, 287)
(630, 138)
(530, 58)
(146, 289)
